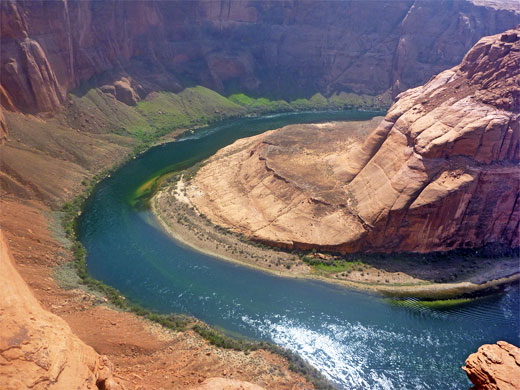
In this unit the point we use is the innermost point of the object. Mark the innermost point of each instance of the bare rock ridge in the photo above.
(38, 349)
(265, 47)
(494, 367)
(439, 172)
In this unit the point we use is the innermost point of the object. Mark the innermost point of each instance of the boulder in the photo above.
(494, 367)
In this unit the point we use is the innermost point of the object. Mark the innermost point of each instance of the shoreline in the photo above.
(116, 302)
(190, 234)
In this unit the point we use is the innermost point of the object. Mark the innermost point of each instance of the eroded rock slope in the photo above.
(37, 348)
(439, 172)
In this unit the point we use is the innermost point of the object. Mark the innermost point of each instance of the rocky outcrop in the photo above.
(289, 49)
(37, 348)
(494, 367)
(439, 172)
(3, 127)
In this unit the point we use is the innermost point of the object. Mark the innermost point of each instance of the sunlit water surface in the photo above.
(359, 341)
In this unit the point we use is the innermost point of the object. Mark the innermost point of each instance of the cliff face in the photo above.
(37, 348)
(265, 47)
(439, 172)
(494, 367)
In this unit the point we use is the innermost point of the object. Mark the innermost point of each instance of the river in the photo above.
(357, 340)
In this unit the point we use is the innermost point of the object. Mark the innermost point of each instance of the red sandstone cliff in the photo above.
(267, 47)
(439, 172)
(494, 367)
(37, 349)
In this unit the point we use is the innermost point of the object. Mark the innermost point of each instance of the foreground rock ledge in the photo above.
(37, 348)
(494, 367)
(439, 172)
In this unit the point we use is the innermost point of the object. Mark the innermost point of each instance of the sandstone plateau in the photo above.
(494, 367)
(439, 172)
(272, 48)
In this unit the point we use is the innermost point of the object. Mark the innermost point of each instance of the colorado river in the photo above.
(357, 340)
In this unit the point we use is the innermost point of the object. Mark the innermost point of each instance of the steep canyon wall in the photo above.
(272, 48)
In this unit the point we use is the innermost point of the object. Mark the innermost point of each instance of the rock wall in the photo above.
(494, 367)
(439, 172)
(274, 48)
(37, 349)
(446, 174)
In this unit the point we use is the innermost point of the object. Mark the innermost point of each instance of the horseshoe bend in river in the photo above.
(357, 340)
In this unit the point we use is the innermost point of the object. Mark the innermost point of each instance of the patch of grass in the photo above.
(344, 100)
(193, 106)
(436, 304)
(98, 112)
(339, 101)
(260, 105)
(333, 265)
(66, 276)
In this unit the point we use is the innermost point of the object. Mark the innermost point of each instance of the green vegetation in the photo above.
(160, 113)
(339, 101)
(191, 107)
(260, 105)
(98, 112)
(436, 304)
(333, 265)
(345, 100)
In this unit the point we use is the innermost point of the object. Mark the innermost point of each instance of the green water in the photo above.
(357, 340)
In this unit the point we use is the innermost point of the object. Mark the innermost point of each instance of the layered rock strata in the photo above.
(494, 367)
(264, 47)
(439, 172)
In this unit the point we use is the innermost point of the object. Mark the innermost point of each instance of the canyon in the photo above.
(267, 48)
(71, 76)
(439, 172)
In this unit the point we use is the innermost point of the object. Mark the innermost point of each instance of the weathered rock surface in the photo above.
(3, 127)
(439, 172)
(37, 349)
(265, 47)
(494, 367)
(226, 384)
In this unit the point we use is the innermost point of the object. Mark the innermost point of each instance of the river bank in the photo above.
(44, 255)
(299, 314)
(400, 277)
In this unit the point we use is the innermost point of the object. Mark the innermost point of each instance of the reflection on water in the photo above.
(357, 340)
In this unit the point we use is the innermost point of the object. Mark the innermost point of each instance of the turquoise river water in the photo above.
(357, 340)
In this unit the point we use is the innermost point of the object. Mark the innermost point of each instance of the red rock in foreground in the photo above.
(439, 172)
(37, 348)
(494, 367)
